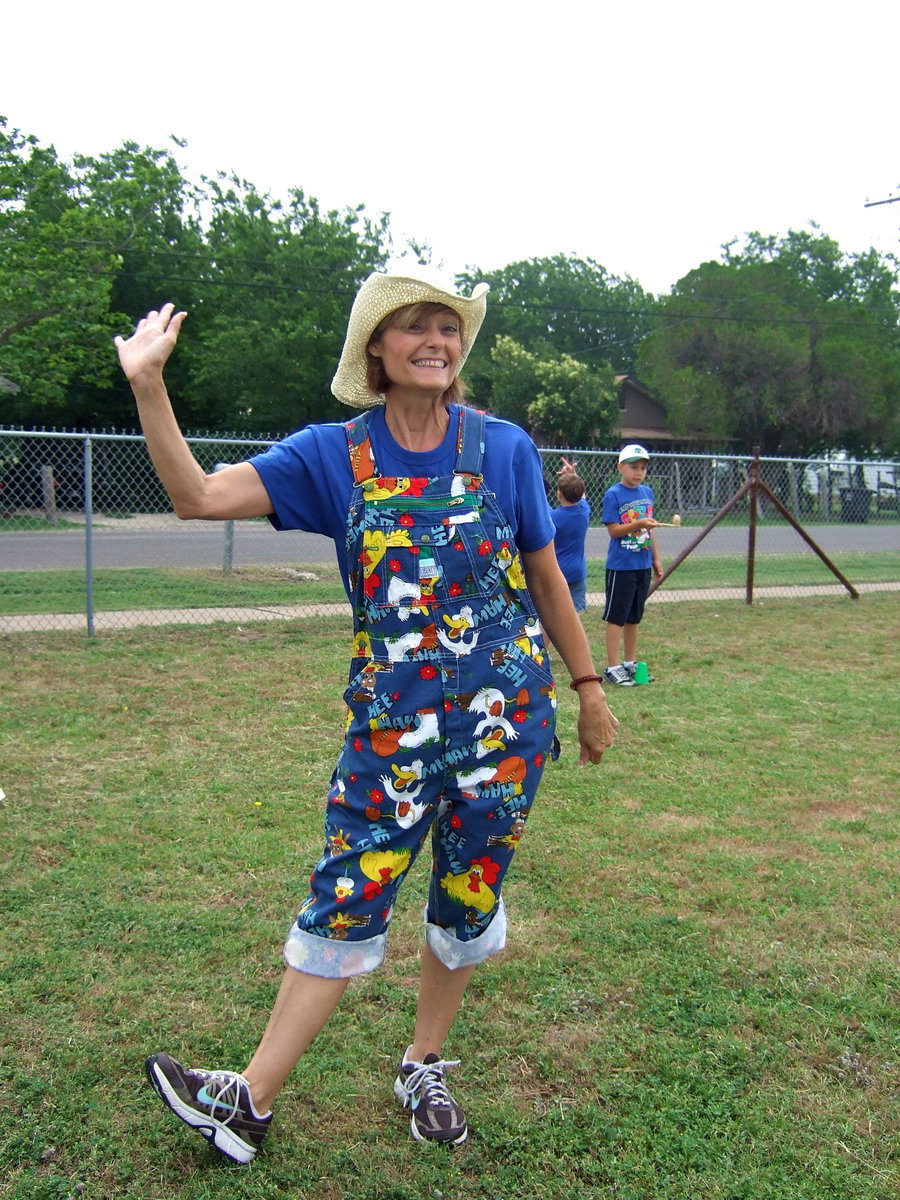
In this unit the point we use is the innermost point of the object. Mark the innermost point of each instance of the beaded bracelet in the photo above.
(576, 683)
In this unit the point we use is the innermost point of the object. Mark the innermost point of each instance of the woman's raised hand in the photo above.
(149, 347)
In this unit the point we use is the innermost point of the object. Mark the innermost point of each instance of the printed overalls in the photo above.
(451, 710)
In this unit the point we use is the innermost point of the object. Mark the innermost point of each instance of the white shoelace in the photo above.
(430, 1078)
(223, 1081)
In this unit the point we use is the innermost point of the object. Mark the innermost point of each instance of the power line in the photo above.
(577, 311)
(646, 314)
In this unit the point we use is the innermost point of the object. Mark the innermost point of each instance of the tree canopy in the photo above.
(86, 249)
(562, 304)
(270, 330)
(57, 267)
(787, 345)
(553, 327)
(562, 401)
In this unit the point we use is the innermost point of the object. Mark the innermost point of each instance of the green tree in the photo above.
(815, 259)
(87, 248)
(790, 346)
(562, 401)
(562, 305)
(57, 267)
(153, 214)
(277, 288)
(80, 246)
(854, 342)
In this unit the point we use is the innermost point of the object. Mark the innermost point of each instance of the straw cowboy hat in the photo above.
(381, 295)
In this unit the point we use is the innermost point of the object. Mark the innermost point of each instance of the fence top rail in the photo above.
(664, 455)
(712, 456)
(86, 435)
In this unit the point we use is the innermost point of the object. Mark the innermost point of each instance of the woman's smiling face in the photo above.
(423, 356)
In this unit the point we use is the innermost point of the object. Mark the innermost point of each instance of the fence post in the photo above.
(228, 548)
(679, 498)
(794, 487)
(89, 534)
(48, 494)
(823, 484)
(751, 528)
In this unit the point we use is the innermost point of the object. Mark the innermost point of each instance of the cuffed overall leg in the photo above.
(461, 754)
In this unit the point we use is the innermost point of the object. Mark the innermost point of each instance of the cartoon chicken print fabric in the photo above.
(451, 711)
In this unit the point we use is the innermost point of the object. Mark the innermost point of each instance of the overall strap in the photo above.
(362, 461)
(469, 442)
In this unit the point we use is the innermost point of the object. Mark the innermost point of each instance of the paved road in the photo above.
(185, 544)
(170, 543)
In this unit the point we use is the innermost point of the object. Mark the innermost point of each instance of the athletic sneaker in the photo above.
(436, 1117)
(217, 1103)
(618, 675)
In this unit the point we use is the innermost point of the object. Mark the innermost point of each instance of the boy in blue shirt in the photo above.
(571, 519)
(632, 556)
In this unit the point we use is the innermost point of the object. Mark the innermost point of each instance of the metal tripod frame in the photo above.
(752, 487)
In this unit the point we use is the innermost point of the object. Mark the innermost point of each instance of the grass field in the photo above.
(700, 996)
(145, 587)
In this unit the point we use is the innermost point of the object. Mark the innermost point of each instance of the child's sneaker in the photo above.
(619, 676)
(217, 1103)
(436, 1117)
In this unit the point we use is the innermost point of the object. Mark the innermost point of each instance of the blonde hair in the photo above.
(377, 381)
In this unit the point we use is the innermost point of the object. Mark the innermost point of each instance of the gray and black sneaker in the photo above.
(217, 1103)
(619, 676)
(436, 1117)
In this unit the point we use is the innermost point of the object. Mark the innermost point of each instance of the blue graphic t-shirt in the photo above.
(571, 521)
(310, 483)
(621, 505)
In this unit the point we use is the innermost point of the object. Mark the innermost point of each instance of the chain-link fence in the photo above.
(88, 539)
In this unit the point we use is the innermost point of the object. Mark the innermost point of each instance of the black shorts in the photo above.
(626, 594)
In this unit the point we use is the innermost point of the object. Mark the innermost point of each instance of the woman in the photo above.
(445, 540)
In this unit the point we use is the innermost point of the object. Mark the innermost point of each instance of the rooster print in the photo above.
(381, 867)
(472, 888)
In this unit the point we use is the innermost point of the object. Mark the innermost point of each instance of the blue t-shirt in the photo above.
(571, 521)
(622, 504)
(310, 483)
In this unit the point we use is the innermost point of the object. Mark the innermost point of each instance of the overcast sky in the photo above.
(641, 136)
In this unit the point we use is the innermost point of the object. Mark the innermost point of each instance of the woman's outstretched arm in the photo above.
(235, 491)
